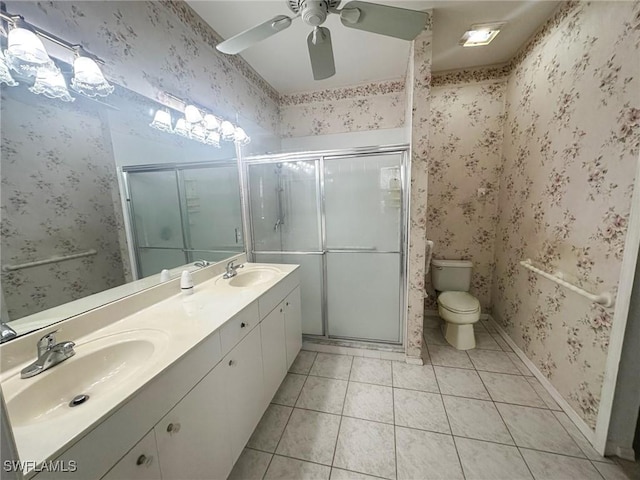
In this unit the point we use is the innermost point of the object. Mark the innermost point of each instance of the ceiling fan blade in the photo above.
(321, 53)
(384, 20)
(244, 40)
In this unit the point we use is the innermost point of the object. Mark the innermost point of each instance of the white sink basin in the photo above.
(100, 367)
(251, 277)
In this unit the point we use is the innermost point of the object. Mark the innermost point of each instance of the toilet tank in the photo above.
(451, 275)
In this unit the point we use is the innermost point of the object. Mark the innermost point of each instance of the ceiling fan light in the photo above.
(88, 78)
(192, 114)
(227, 130)
(162, 121)
(5, 75)
(50, 83)
(25, 51)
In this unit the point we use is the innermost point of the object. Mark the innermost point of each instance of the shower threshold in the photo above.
(358, 348)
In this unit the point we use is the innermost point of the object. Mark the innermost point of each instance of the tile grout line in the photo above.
(446, 414)
(393, 406)
(289, 418)
(344, 400)
(505, 425)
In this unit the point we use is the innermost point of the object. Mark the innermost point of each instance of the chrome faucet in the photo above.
(6, 332)
(202, 263)
(231, 270)
(50, 354)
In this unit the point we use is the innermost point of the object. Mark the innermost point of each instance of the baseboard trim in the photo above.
(620, 451)
(562, 403)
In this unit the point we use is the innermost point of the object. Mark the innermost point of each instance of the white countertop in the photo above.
(179, 323)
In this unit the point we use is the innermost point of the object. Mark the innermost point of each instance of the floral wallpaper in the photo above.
(571, 142)
(419, 93)
(59, 197)
(153, 46)
(466, 126)
(372, 106)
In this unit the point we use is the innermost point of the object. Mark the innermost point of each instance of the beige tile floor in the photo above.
(465, 415)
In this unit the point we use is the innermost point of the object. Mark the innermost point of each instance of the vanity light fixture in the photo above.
(198, 133)
(227, 130)
(162, 121)
(241, 137)
(50, 83)
(192, 114)
(181, 128)
(87, 76)
(27, 56)
(25, 52)
(213, 138)
(5, 75)
(481, 34)
(211, 122)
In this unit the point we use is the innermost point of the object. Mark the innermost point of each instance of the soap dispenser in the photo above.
(186, 283)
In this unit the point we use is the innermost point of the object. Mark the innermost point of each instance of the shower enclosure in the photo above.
(181, 214)
(342, 217)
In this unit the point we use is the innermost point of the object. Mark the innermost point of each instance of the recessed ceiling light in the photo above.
(481, 34)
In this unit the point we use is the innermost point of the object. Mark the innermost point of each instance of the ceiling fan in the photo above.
(370, 17)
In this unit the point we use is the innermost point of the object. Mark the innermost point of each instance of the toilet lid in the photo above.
(459, 302)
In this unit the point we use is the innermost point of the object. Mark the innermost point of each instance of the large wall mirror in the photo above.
(93, 198)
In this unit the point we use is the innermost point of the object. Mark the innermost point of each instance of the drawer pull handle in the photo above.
(144, 460)
(242, 325)
(287, 304)
(173, 428)
(232, 363)
(280, 310)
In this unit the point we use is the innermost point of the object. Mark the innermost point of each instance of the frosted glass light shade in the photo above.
(5, 75)
(198, 133)
(50, 83)
(241, 137)
(88, 78)
(211, 122)
(181, 128)
(227, 130)
(25, 52)
(192, 114)
(213, 138)
(162, 121)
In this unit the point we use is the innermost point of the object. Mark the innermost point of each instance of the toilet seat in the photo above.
(459, 302)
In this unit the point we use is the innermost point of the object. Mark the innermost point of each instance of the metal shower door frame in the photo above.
(319, 157)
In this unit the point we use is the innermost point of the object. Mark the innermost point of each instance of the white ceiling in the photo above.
(361, 57)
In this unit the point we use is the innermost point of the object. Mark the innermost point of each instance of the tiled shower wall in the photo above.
(572, 131)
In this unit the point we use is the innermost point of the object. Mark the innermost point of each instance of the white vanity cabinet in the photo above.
(243, 388)
(293, 325)
(192, 437)
(193, 420)
(141, 463)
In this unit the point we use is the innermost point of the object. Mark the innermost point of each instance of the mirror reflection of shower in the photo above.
(279, 194)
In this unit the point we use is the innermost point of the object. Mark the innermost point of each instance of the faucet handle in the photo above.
(46, 342)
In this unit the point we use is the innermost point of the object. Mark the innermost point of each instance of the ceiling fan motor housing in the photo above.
(313, 12)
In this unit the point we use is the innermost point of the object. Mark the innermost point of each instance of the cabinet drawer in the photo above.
(238, 327)
(140, 463)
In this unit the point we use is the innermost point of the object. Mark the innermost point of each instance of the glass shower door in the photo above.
(363, 218)
(156, 219)
(213, 224)
(285, 222)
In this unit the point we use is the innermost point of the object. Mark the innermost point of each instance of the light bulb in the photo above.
(162, 121)
(192, 114)
(227, 130)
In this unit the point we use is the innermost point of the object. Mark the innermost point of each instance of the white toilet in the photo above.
(456, 306)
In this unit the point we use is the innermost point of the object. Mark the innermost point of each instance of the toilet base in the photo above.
(460, 337)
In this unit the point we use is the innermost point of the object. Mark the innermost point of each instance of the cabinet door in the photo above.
(274, 356)
(244, 390)
(293, 325)
(193, 436)
(141, 463)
